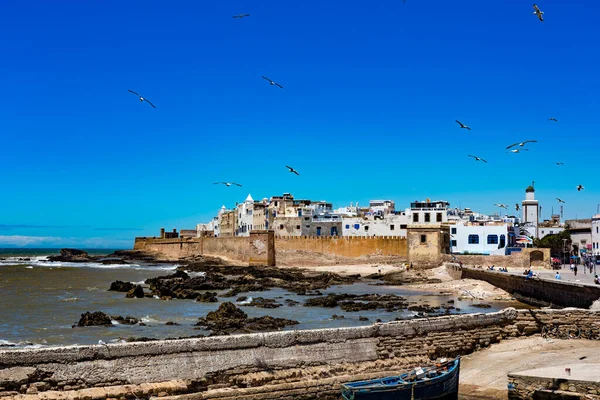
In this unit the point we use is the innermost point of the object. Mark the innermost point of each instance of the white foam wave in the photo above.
(29, 267)
(71, 299)
(148, 318)
(43, 262)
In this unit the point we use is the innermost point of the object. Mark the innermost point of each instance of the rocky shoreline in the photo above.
(211, 280)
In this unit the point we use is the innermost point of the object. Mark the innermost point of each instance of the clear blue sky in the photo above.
(371, 92)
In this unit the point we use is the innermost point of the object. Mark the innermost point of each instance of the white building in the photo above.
(596, 235)
(477, 239)
(389, 225)
(209, 228)
(245, 217)
(550, 230)
(531, 211)
(428, 212)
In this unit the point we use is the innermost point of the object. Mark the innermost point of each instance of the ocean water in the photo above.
(40, 301)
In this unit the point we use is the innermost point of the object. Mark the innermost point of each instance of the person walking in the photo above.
(575, 269)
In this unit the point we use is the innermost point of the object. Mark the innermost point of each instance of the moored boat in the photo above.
(439, 382)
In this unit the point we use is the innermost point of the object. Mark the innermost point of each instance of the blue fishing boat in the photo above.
(439, 382)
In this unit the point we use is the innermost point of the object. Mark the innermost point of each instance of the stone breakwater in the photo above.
(274, 365)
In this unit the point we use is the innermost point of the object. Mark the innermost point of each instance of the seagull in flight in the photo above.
(227, 184)
(538, 12)
(560, 163)
(477, 158)
(517, 207)
(521, 143)
(552, 119)
(462, 126)
(502, 206)
(518, 150)
(580, 188)
(141, 98)
(292, 170)
(272, 82)
(240, 16)
(560, 200)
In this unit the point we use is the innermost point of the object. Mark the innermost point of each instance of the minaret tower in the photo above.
(531, 210)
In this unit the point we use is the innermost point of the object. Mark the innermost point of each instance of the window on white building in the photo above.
(492, 239)
(347, 226)
(366, 228)
(453, 243)
(427, 217)
(438, 217)
(415, 217)
(453, 231)
(473, 239)
(392, 227)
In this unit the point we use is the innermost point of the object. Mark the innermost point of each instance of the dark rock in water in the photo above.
(335, 316)
(208, 297)
(182, 293)
(227, 316)
(423, 308)
(361, 318)
(353, 302)
(137, 292)
(72, 255)
(261, 302)
(171, 323)
(24, 259)
(450, 302)
(120, 286)
(111, 261)
(143, 324)
(241, 298)
(481, 305)
(291, 303)
(97, 318)
(230, 319)
(128, 320)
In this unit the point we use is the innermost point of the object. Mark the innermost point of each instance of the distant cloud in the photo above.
(118, 229)
(27, 226)
(56, 241)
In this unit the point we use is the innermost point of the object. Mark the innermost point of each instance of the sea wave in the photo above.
(26, 345)
(31, 262)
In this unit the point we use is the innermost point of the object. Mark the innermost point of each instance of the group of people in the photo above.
(529, 274)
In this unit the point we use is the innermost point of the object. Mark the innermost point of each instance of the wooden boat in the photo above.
(439, 382)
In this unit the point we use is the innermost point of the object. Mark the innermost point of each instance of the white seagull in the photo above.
(522, 143)
(272, 82)
(227, 184)
(552, 119)
(502, 206)
(241, 16)
(462, 126)
(141, 98)
(580, 188)
(518, 150)
(477, 158)
(292, 170)
(560, 200)
(538, 12)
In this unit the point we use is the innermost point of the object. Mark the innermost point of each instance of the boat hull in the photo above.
(444, 387)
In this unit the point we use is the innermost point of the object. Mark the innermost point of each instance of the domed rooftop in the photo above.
(529, 189)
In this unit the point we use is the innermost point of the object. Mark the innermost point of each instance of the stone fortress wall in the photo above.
(275, 365)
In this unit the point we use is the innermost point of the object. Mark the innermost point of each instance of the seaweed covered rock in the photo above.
(97, 318)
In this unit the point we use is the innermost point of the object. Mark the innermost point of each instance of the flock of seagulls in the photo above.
(513, 148)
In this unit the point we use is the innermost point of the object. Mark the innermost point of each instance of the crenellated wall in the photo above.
(345, 246)
(256, 249)
(276, 365)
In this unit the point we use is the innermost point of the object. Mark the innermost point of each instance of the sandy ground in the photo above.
(483, 374)
(345, 270)
(465, 288)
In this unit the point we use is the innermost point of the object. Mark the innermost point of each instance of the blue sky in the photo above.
(371, 92)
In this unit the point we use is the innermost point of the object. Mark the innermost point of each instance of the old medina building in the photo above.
(468, 232)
